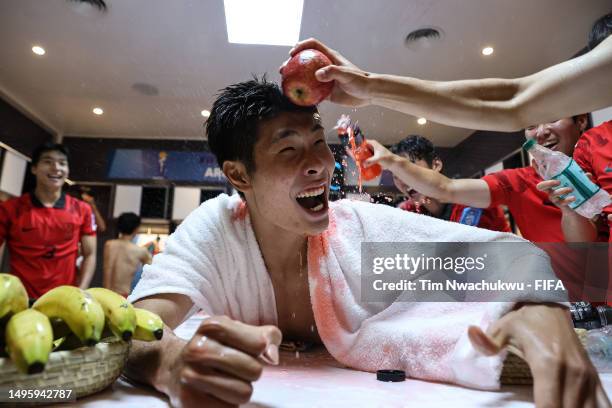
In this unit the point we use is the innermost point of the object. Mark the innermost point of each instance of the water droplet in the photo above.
(297, 354)
(293, 315)
(312, 328)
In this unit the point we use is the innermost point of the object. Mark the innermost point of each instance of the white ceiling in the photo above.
(181, 48)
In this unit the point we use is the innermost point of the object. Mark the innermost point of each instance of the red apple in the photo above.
(298, 78)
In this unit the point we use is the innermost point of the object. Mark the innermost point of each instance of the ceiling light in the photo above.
(38, 50)
(487, 51)
(422, 121)
(205, 113)
(269, 22)
(98, 111)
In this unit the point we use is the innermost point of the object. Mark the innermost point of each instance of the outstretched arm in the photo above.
(563, 90)
(471, 192)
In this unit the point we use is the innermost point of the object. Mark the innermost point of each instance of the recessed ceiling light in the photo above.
(421, 121)
(205, 113)
(268, 22)
(38, 50)
(487, 51)
(98, 111)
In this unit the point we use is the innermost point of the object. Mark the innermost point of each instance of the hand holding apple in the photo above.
(352, 85)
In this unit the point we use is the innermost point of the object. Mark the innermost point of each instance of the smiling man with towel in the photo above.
(280, 256)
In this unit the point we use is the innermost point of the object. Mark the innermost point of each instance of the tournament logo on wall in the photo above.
(145, 164)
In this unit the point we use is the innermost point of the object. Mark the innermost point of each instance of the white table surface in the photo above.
(315, 379)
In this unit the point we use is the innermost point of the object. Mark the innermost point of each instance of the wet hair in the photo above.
(416, 147)
(589, 118)
(233, 122)
(602, 28)
(127, 223)
(49, 147)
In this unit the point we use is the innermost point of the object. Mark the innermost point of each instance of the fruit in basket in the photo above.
(77, 308)
(119, 313)
(298, 78)
(29, 340)
(13, 296)
(149, 326)
(13, 299)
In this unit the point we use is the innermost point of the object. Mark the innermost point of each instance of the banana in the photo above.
(13, 299)
(77, 308)
(120, 315)
(29, 340)
(149, 326)
(13, 296)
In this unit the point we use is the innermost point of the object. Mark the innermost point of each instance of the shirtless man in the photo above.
(122, 257)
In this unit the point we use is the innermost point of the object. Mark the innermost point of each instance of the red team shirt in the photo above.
(593, 153)
(490, 218)
(43, 242)
(538, 219)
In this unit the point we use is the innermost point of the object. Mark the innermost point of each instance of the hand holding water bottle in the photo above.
(559, 195)
(587, 199)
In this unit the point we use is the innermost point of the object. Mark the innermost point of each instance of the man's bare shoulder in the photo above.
(123, 244)
(110, 243)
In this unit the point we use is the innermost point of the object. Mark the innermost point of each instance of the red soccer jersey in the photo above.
(43, 242)
(593, 153)
(489, 218)
(538, 219)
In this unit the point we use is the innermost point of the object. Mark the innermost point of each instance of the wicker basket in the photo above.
(516, 371)
(85, 371)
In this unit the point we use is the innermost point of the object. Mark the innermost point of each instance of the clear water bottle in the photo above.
(599, 348)
(590, 198)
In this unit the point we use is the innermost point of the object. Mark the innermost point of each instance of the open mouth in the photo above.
(55, 177)
(550, 145)
(313, 200)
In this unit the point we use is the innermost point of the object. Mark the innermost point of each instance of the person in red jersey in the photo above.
(538, 219)
(420, 151)
(593, 153)
(43, 228)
